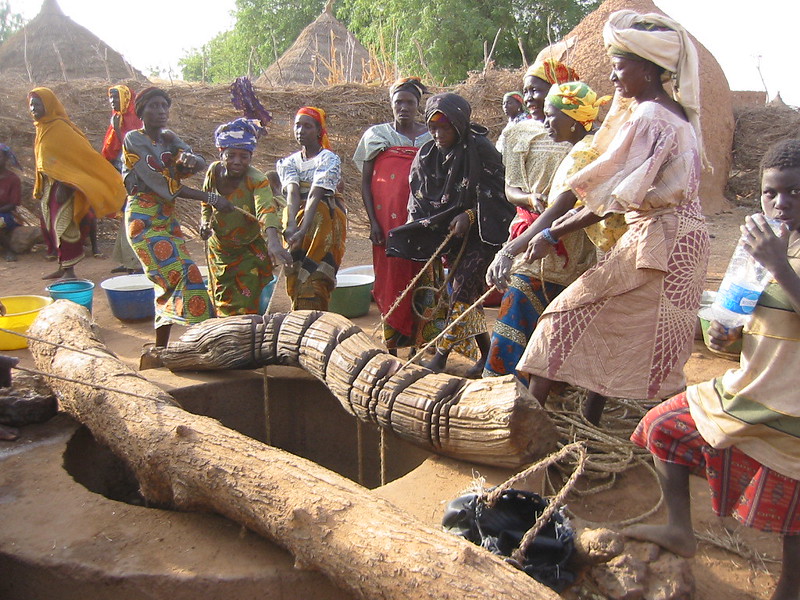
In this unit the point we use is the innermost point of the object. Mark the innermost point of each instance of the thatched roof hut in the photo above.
(325, 53)
(53, 47)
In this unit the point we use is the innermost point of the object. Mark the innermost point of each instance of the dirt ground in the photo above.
(720, 574)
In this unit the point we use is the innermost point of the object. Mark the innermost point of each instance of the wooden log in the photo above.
(361, 542)
(502, 425)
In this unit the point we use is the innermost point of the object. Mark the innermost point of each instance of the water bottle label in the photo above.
(738, 299)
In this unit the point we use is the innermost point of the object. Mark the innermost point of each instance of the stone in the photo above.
(594, 546)
(28, 400)
(24, 237)
(670, 578)
(621, 578)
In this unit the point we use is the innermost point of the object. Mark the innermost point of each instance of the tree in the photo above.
(9, 21)
(451, 33)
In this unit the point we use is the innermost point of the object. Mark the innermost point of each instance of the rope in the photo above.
(455, 321)
(56, 344)
(383, 456)
(414, 281)
(91, 385)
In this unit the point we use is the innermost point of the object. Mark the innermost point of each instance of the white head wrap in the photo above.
(669, 48)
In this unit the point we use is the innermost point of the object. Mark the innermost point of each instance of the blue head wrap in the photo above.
(12, 159)
(239, 133)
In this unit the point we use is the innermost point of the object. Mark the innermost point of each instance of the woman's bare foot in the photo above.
(476, 370)
(673, 539)
(437, 363)
(54, 275)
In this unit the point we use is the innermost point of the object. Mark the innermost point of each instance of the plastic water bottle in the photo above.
(742, 285)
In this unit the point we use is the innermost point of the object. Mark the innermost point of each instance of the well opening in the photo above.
(286, 408)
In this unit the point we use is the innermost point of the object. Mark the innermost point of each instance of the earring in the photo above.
(647, 78)
(572, 129)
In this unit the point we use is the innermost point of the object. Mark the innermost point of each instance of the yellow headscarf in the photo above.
(63, 153)
(577, 100)
(124, 97)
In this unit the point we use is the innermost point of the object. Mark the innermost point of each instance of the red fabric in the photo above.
(525, 219)
(390, 192)
(740, 486)
(112, 144)
(10, 190)
(65, 251)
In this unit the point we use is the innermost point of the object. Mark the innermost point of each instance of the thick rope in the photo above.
(56, 344)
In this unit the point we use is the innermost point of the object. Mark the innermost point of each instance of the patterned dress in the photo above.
(238, 261)
(311, 278)
(152, 180)
(625, 327)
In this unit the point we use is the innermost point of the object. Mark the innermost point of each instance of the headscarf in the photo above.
(239, 133)
(444, 183)
(666, 43)
(552, 71)
(577, 100)
(63, 153)
(128, 121)
(148, 94)
(516, 96)
(319, 116)
(12, 158)
(408, 84)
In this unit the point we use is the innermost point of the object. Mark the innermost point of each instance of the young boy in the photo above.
(742, 430)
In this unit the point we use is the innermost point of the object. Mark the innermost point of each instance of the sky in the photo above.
(742, 35)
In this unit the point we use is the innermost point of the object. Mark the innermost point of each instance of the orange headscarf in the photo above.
(63, 153)
(128, 121)
(319, 116)
(552, 71)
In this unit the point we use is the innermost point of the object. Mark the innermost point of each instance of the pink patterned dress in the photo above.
(625, 327)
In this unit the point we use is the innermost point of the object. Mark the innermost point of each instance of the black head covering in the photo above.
(408, 84)
(444, 183)
(148, 94)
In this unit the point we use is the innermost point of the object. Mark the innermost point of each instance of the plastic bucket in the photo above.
(131, 297)
(352, 295)
(733, 351)
(21, 311)
(367, 270)
(266, 295)
(79, 291)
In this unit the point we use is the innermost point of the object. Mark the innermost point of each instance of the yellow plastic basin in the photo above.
(20, 313)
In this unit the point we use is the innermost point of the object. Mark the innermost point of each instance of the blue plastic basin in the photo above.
(131, 297)
(79, 291)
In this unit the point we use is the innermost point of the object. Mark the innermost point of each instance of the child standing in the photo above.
(742, 430)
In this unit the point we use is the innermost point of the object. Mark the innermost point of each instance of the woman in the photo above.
(10, 199)
(155, 162)
(530, 155)
(123, 119)
(316, 221)
(642, 298)
(71, 178)
(570, 113)
(384, 156)
(514, 109)
(240, 261)
(456, 187)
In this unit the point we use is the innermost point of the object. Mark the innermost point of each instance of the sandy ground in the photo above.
(720, 574)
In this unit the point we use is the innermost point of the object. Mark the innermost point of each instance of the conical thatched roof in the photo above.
(325, 45)
(53, 47)
(583, 49)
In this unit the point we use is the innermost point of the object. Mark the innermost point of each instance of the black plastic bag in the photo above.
(500, 529)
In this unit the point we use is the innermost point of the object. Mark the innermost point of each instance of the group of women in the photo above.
(595, 234)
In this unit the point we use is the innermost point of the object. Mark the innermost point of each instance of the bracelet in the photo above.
(548, 236)
(212, 199)
(471, 215)
(505, 254)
